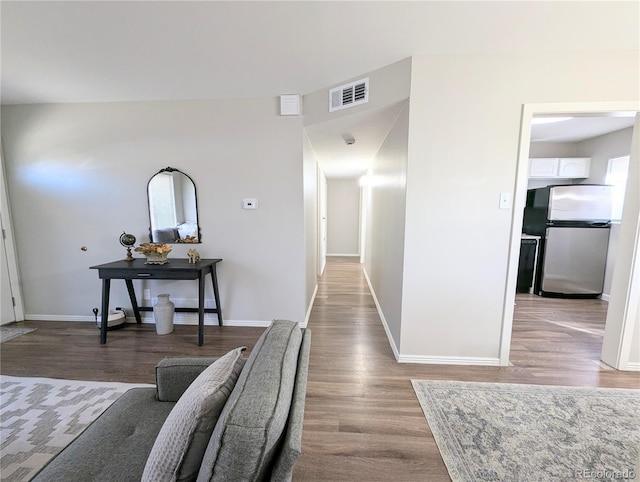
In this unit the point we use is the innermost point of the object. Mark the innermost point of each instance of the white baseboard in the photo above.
(310, 307)
(633, 367)
(605, 297)
(392, 343)
(180, 318)
(210, 319)
(31, 317)
(431, 360)
(449, 360)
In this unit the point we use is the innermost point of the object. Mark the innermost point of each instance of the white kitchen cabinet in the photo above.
(559, 167)
(543, 167)
(574, 167)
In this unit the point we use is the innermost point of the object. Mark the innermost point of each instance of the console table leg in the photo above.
(200, 309)
(134, 301)
(216, 294)
(106, 286)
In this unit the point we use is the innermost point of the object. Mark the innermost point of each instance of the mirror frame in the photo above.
(195, 194)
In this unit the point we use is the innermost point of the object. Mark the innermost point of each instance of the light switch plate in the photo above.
(249, 204)
(505, 200)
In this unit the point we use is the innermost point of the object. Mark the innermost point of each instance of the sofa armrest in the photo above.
(175, 374)
(292, 445)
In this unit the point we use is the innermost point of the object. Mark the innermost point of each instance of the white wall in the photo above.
(384, 250)
(602, 148)
(553, 149)
(310, 174)
(343, 217)
(77, 175)
(463, 144)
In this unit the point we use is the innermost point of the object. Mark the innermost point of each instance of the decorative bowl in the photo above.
(156, 253)
(156, 258)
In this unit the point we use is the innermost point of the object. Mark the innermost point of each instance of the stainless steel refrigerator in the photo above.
(573, 222)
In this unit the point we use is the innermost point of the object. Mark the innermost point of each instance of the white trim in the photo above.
(74, 318)
(519, 200)
(362, 228)
(310, 307)
(343, 254)
(427, 360)
(321, 213)
(396, 353)
(179, 319)
(528, 111)
(633, 367)
(10, 245)
(449, 360)
(631, 313)
(605, 297)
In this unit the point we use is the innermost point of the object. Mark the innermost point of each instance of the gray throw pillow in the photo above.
(251, 427)
(180, 445)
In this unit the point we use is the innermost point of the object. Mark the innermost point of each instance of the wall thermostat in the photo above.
(249, 204)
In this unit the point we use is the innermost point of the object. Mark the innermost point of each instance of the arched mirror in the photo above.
(173, 209)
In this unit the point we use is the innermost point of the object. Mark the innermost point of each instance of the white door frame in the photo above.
(528, 111)
(8, 244)
(364, 209)
(623, 315)
(322, 220)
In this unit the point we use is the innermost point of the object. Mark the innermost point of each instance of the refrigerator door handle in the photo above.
(578, 224)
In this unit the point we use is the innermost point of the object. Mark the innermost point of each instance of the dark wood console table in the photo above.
(176, 269)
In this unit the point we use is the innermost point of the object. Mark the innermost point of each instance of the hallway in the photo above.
(362, 419)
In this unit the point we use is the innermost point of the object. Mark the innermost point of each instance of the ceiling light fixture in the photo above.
(350, 141)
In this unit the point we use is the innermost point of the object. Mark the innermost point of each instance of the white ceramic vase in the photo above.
(163, 312)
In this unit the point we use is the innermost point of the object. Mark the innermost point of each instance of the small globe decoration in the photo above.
(128, 240)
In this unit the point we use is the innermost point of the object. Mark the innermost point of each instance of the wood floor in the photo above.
(362, 419)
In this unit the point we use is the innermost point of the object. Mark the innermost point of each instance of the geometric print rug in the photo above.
(512, 432)
(41, 416)
(13, 331)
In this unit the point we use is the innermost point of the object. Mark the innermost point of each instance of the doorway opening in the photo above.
(621, 330)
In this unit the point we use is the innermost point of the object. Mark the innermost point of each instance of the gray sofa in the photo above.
(255, 434)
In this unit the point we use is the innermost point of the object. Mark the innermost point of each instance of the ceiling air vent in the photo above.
(349, 95)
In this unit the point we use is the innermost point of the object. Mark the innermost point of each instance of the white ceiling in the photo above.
(577, 129)
(368, 129)
(102, 51)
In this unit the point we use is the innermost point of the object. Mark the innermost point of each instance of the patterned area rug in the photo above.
(41, 416)
(9, 332)
(506, 432)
